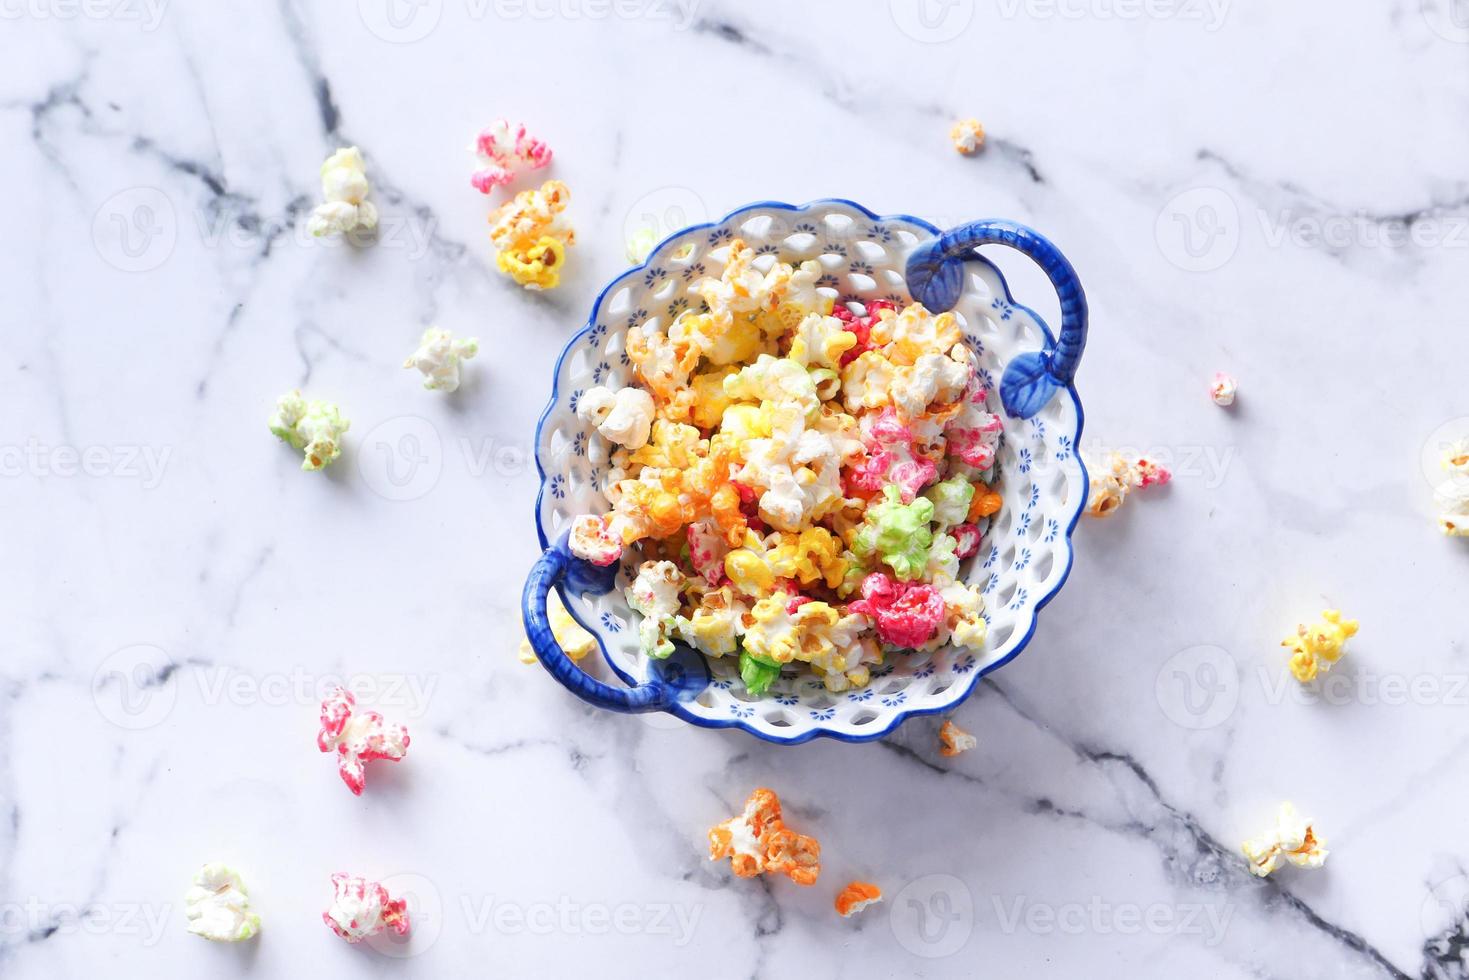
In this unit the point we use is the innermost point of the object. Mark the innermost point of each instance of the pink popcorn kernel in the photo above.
(1146, 472)
(358, 737)
(907, 613)
(891, 458)
(967, 536)
(505, 149)
(707, 549)
(361, 909)
(860, 325)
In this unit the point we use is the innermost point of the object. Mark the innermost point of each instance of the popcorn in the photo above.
(896, 533)
(358, 737)
(1314, 649)
(218, 907)
(344, 186)
(1294, 838)
(361, 909)
(1222, 389)
(313, 427)
(716, 624)
(1113, 477)
(973, 434)
(438, 358)
(907, 615)
(892, 458)
(531, 234)
(966, 539)
(573, 640)
(654, 593)
(856, 897)
(967, 135)
(505, 149)
(964, 623)
(954, 740)
(591, 539)
(623, 417)
(1147, 473)
(786, 629)
(1451, 498)
(707, 550)
(758, 842)
(986, 502)
(951, 499)
(640, 245)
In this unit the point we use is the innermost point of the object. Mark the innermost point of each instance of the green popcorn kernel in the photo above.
(897, 533)
(951, 500)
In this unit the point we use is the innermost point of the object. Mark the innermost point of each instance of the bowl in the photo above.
(1025, 554)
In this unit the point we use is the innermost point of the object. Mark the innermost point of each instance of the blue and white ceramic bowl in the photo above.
(1025, 555)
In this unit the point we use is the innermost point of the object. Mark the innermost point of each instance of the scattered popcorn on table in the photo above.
(1112, 477)
(967, 135)
(361, 909)
(1451, 498)
(1223, 389)
(344, 186)
(640, 245)
(313, 427)
(358, 737)
(438, 357)
(809, 479)
(954, 740)
(1314, 649)
(531, 234)
(758, 842)
(218, 907)
(856, 897)
(574, 641)
(505, 149)
(1293, 838)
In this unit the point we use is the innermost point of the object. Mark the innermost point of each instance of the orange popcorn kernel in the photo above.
(856, 897)
(953, 740)
(986, 502)
(758, 841)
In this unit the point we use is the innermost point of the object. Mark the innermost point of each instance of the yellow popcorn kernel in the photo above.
(748, 571)
(575, 641)
(671, 446)
(708, 398)
(1315, 648)
(537, 266)
(744, 422)
(812, 555)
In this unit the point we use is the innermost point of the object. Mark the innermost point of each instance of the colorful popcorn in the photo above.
(218, 907)
(573, 640)
(315, 428)
(531, 234)
(856, 897)
(758, 842)
(504, 150)
(809, 481)
(438, 358)
(1451, 498)
(953, 740)
(361, 909)
(1114, 476)
(1293, 839)
(1314, 649)
(358, 737)
(344, 186)
(967, 136)
(1222, 389)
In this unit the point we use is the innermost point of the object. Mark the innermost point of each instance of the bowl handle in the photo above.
(555, 564)
(936, 278)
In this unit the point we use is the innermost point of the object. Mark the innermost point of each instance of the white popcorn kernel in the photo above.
(439, 356)
(218, 907)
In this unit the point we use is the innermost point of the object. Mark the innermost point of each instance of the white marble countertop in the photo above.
(1274, 189)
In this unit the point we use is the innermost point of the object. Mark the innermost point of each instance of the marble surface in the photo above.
(1273, 189)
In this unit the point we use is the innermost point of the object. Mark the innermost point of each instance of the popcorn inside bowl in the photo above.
(829, 505)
